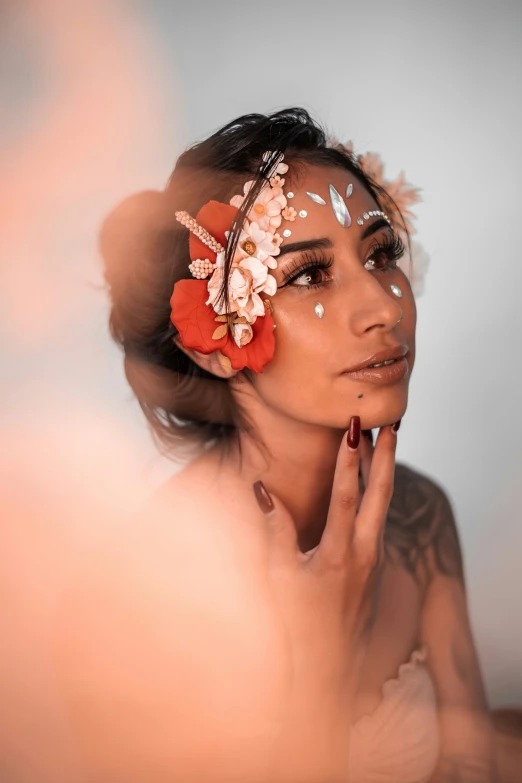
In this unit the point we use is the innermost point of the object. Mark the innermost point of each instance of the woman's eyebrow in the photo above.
(373, 227)
(324, 242)
(306, 244)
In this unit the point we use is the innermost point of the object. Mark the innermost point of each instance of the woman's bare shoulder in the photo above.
(421, 523)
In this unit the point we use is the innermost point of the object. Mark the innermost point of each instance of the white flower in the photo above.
(270, 285)
(237, 201)
(242, 334)
(266, 210)
(254, 242)
(248, 278)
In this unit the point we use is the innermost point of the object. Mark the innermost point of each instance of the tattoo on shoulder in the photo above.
(420, 528)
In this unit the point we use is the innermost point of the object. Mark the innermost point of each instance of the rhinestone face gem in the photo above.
(360, 221)
(316, 198)
(319, 309)
(290, 195)
(365, 215)
(303, 213)
(396, 290)
(287, 232)
(349, 190)
(339, 208)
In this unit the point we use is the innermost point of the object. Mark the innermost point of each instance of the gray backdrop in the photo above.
(102, 97)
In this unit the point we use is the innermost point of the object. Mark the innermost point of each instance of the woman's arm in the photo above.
(467, 751)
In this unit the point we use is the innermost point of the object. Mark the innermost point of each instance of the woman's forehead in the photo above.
(324, 201)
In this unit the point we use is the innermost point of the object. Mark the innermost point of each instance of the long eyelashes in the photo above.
(308, 261)
(391, 248)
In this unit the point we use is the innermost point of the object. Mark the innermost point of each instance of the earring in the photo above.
(319, 309)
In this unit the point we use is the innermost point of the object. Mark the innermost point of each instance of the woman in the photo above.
(316, 587)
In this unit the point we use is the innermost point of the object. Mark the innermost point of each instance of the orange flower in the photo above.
(195, 322)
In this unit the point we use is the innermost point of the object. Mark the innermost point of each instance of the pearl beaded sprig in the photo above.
(202, 234)
(201, 268)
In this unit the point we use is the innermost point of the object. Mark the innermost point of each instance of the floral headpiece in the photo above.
(242, 328)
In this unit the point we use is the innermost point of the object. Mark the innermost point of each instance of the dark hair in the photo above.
(145, 252)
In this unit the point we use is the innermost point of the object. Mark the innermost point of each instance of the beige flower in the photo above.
(266, 210)
(414, 266)
(289, 213)
(372, 165)
(404, 194)
(276, 181)
(237, 201)
(248, 278)
(242, 333)
(255, 242)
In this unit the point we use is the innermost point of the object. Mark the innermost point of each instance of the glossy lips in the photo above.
(394, 352)
(382, 375)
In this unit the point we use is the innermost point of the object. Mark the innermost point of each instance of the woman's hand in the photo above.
(326, 598)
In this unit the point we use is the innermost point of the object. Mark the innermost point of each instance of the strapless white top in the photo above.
(399, 741)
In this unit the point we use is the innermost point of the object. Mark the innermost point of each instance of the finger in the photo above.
(366, 453)
(369, 525)
(281, 532)
(338, 533)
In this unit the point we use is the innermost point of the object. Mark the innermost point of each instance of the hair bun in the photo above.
(131, 226)
(135, 242)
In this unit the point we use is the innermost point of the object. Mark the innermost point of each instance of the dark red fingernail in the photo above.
(396, 426)
(354, 433)
(265, 502)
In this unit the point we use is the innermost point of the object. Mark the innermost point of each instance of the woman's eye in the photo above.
(380, 260)
(385, 256)
(310, 277)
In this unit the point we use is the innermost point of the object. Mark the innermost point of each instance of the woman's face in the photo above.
(306, 379)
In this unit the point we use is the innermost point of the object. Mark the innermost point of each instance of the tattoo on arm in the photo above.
(420, 528)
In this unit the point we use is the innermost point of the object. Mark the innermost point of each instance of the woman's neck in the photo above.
(296, 462)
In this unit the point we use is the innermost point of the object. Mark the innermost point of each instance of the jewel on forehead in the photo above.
(339, 208)
(349, 190)
(316, 198)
